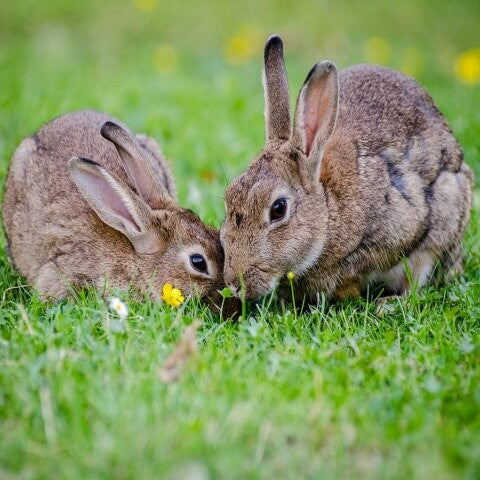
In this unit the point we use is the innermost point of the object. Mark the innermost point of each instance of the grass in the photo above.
(335, 392)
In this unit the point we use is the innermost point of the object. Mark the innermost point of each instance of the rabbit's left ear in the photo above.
(275, 85)
(316, 113)
(138, 169)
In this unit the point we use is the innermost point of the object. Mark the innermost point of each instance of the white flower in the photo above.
(119, 307)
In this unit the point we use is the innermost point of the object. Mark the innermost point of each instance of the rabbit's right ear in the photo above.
(277, 101)
(316, 114)
(138, 169)
(116, 204)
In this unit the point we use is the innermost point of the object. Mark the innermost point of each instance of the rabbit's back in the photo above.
(402, 185)
(38, 171)
(75, 134)
(389, 114)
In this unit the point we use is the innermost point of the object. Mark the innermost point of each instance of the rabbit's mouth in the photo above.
(254, 283)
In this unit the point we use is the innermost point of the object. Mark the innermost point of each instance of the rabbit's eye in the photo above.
(278, 209)
(198, 263)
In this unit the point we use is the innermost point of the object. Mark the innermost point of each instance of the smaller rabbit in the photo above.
(87, 203)
(369, 175)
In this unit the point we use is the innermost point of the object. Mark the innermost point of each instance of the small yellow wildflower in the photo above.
(165, 59)
(290, 276)
(377, 50)
(119, 307)
(172, 296)
(243, 45)
(467, 67)
(145, 5)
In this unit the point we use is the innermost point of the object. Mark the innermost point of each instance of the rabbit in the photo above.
(369, 177)
(88, 203)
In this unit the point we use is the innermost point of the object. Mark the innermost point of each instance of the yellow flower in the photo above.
(243, 45)
(377, 50)
(172, 296)
(290, 276)
(165, 58)
(467, 67)
(145, 5)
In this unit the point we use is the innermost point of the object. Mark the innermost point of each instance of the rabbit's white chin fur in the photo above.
(309, 261)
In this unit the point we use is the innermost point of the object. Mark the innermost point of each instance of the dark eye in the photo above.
(198, 263)
(278, 209)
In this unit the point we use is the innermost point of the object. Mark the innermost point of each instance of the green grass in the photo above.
(336, 392)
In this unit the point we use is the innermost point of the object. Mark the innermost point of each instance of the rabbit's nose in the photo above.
(233, 283)
(232, 277)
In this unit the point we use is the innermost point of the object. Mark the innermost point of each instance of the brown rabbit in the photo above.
(369, 175)
(87, 203)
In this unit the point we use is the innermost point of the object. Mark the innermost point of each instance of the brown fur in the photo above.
(393, 184)
(57, 240)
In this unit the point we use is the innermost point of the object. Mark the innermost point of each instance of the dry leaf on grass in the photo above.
(184, 350)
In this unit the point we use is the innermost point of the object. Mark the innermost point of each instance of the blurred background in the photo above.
(188, 73)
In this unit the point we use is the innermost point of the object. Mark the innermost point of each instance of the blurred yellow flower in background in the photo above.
(245, 44)
(467, 66)
(172, 296)
(165, 58)
(145, 5)
(377, 50)
(208, 175)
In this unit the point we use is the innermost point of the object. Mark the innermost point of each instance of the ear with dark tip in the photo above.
(316, 111)
(277, 102)
(115, 204)
(138, 169)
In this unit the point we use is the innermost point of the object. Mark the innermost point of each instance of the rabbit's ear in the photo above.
(138, 169)
(277, 102)
(316, 113)
(115, 204)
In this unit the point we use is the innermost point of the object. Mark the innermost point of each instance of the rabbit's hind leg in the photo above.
(416, 270)
(50, 283)
(450, 199)
(440, 254)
